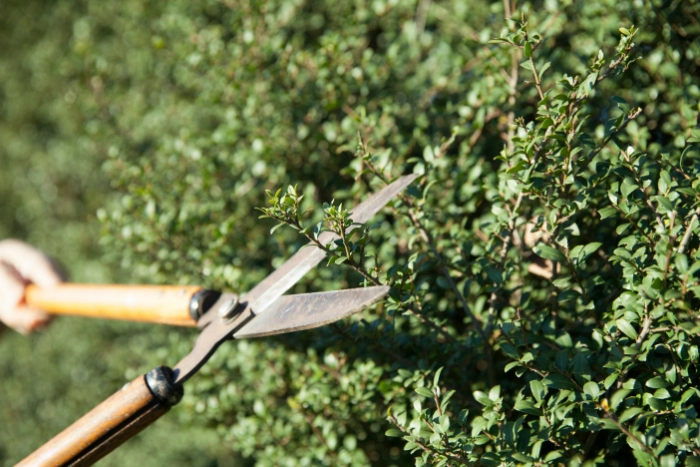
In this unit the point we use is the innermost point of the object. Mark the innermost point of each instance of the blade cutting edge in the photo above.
(292, 313)
(277, 283)
(304, 260)
(266, 293)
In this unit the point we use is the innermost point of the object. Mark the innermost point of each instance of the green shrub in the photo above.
(543, 269)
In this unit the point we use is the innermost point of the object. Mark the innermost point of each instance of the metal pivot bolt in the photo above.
(229, 308)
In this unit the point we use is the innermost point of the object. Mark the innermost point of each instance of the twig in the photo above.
(669, 247)
(421, 15)
(503, 254)
(446, 273)
(632, 115)
(648, 202)
(310, 420)
(538, 83)
(688, 232)
(429, 449)
(552, 129)
(646, 328)
(623, 429)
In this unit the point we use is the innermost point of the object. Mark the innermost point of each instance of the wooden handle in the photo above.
(108, 425)
(168, 304)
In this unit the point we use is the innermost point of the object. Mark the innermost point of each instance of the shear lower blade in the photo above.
(306, 311)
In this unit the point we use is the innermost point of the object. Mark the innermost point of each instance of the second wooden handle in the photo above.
(168, 304)
(107, 426)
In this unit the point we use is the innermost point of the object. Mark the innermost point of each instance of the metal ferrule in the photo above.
(201, 302)
(161, 383)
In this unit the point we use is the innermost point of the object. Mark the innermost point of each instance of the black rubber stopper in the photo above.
(160, 382)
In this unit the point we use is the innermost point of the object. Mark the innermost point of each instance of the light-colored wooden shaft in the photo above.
(101, 430)
(167, 304)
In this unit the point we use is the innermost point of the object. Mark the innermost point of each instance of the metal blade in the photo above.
(313, 309)
(277, 283)
(307, 311)
(304, 260)
(263, 295)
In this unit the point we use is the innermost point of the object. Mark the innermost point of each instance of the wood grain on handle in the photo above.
(101, 430)
(167, 304)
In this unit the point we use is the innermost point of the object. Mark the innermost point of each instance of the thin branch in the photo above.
(555, 127)
(538, 83)
(421, 15)
(310, 420)
(628, 433)
(646, 327)
(669, 247)
(632, 115)
(427, 237)
(688, 232)
(428, 449)
(502, 255)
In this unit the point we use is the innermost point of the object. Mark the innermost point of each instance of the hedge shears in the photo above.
(263, 311)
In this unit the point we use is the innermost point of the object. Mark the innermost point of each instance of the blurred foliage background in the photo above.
(138, 137)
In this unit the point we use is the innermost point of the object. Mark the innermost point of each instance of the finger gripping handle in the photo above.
(111, 423)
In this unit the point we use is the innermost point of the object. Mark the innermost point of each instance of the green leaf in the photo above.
(665, 204)
(656, 404)
(483, 399)
(443, 283)
(608, 424)
(629, 413)
(590, 249)
(622, 228)
(622, 104)
(558, 381)
(687, 395)
(626, 328)
(511, 365)
(618, 397)
(528, 49)
(664, 182)
(527, 407)
(509, 350)
(394, 432)
(657, 382)
(669, 460)
(581, 368)
(548, 252)
(424, 392)
(607, 212)
(610, 380)
(518, 456)
(272, 230)
(552, 456)
(591, 388)
(588, 84)
(562, 359)
(537, 389)
(445, 422)
(628, 187)
(436, 378)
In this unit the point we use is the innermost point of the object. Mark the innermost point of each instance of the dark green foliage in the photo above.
(544, 268)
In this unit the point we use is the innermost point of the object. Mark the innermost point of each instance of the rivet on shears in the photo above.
(229, 308)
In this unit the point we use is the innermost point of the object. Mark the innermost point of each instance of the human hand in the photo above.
(20, 265)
